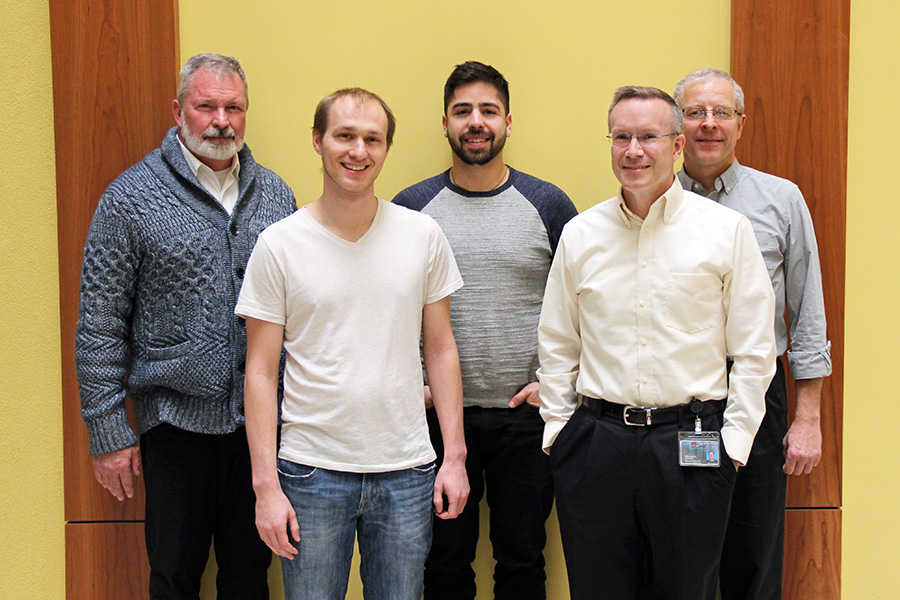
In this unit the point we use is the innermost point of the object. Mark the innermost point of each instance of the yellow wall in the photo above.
(563, 60)
(871, 526)
(32, 543)
(563, 63)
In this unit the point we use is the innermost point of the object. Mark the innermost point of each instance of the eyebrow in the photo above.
(470, 104)
(352, 129)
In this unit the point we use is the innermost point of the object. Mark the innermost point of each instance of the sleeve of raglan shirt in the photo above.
(559, 347)
(750, 339)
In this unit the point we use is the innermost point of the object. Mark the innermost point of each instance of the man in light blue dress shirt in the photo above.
(713, 107)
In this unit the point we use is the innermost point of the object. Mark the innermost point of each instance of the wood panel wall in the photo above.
(792, 59)
(115, 67)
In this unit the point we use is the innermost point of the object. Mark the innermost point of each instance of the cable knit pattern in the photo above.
(162, 270)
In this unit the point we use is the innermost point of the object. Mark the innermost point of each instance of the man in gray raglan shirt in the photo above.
(713, 107)
(503, 226)
(163, 265)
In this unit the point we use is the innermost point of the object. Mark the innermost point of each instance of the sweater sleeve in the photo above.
(108, 284)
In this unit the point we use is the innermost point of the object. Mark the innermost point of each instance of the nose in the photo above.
(634, 148)
(358, 148)
(475, 120)
(220, 118)
(709, 120)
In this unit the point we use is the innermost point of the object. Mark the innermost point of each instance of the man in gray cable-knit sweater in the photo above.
(163, 265)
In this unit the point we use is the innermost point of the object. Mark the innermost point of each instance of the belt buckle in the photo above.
(630, 410)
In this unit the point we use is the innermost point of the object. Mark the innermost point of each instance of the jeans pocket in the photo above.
(426, 469)
(292, 470)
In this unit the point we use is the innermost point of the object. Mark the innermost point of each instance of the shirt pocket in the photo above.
(693, 301)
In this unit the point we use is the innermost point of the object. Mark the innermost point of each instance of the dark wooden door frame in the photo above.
(792, 59)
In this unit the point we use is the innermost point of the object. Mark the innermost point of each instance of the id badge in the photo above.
(698, 449)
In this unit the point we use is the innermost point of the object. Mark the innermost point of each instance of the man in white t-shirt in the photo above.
(347, 285)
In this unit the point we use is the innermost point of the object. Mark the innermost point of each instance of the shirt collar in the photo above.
(724, 182)
(195, 164)
(663, 207)
(727, 180)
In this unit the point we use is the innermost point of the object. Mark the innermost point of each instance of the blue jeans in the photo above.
(390, 513)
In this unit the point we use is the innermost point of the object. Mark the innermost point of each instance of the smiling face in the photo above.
(710, 144)
(476, 124)
(212, 118)
(645, 172)
(353, 147)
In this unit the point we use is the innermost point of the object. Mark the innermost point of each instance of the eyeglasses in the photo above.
(719, 113)
(623, 140)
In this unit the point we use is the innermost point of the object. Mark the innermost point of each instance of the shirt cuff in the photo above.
(551, 430)
(737, 444)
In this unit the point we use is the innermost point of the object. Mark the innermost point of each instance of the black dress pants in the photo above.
(635, 525)
(504, 458)
(753, 554)
(199, 490)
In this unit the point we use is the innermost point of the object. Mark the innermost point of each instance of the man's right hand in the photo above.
(116, 471)
(274, 516)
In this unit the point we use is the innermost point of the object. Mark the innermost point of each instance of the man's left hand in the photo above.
(528, 394)
(802, 447)
(451, 482)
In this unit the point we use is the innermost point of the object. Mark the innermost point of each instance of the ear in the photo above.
(508, 125)
(317, 142)
(679, 145)
(444, 123)
(740, 128)
(176, 110)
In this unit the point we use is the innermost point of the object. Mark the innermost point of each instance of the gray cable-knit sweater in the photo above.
(162, 270)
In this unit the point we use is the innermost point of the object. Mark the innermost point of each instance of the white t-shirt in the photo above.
(352, 313)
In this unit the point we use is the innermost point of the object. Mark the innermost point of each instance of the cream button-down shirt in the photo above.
(223, 185)
(644, 312)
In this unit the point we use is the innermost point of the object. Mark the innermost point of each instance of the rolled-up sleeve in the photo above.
(810, 352)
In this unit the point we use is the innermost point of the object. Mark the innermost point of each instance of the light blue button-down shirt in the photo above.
(784, 230)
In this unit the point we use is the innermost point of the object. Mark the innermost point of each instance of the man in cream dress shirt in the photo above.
(648, 293)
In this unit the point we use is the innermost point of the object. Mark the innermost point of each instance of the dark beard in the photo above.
(477, 158)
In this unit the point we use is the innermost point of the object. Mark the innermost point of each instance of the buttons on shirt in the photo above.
(242, 321)
(239, 272)
(643, 341)
(644, 264)
(242, 366)
(233, 229)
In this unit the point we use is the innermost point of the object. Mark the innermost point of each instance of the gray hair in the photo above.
(647, 93)
(705, 76)
(217, 63)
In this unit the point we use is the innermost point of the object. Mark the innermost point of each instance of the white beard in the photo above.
(209, 148)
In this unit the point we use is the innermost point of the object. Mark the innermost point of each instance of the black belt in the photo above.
(641, 416)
